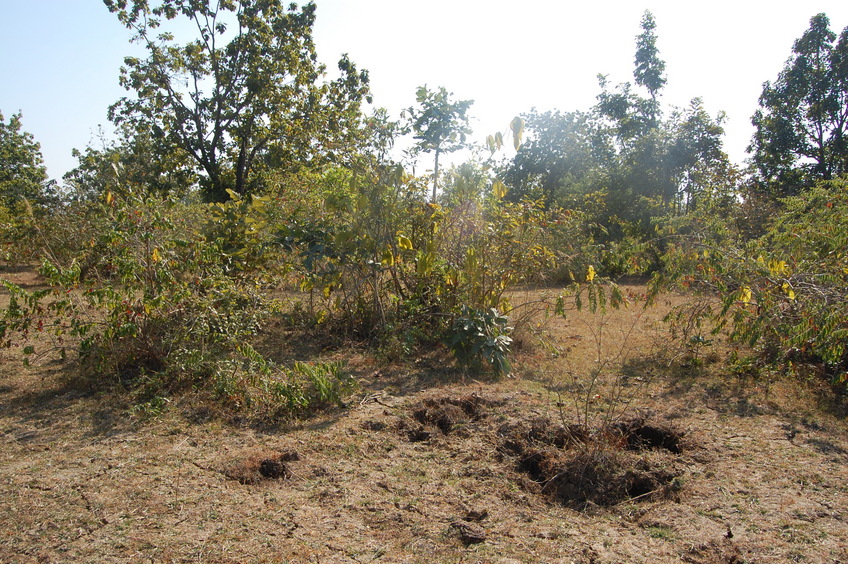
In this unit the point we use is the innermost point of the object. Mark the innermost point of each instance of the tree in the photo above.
(22, 172)
(802, 122)
(246, 90)
(558, 158)
(649, 67)
(138, 160)
(440, 125)
(696, 158)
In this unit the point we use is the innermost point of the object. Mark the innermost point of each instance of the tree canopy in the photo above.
(246, 89)
(440, 124)
(22, 172)
(802, 121)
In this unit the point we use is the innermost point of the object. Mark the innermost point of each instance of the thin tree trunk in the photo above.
(436, 174)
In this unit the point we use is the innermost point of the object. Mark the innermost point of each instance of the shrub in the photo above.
(784, 293)
(151, 304)
(480, 339)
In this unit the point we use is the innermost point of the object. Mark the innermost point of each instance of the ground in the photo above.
(695, 463)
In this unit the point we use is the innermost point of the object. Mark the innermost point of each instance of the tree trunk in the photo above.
(436, 174)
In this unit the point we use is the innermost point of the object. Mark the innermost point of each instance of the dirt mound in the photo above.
(578, 466)
(540, 430)
(256, 467)
(723, 551)
(441, 416)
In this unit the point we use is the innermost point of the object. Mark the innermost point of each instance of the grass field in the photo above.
(663, 458)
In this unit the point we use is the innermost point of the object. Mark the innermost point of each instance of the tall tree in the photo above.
(650, 69)
(802, 122)
(657, 164)
(440, 124)
(245, 89)
(22, 172)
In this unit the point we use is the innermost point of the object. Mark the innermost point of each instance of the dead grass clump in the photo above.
(259, 466)
(599, 476)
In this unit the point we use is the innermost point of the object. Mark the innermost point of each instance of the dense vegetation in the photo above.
(244, 191)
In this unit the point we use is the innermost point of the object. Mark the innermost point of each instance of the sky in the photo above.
(60, 59)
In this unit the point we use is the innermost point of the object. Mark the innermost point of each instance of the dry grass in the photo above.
(425, 467)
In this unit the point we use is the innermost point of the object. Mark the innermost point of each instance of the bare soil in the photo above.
(664, 458)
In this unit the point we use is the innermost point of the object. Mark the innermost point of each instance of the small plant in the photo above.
(481, 338)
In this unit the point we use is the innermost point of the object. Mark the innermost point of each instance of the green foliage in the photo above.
(26, 195)
(440, 124)
(23, 176)
(623, 164)
(139, 293)
(237, 229)
(355, 258)
(783, 293)
(649, 67)
(801, 128)
(504, 246)
(252, 383)
(244, 92)
(150, 304)
(480, 338)
(558, 161)
(138, 161)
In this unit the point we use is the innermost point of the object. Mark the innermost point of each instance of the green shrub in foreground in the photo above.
(154, 306)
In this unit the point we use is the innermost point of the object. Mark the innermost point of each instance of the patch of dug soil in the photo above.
(723, 551)
(580, 467)
(259, 466)
(442, 415)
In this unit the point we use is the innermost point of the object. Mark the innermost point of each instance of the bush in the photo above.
(784, 293)
(149, 303)
(480, 339)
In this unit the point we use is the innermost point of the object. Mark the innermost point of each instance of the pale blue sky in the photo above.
(59, 59)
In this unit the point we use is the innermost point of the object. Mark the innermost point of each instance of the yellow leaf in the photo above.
(745, 295)
(790, 293)
(590, 274)
(778, 267)
(706, 254)
(155, 256)
(388, 257)
(110, 198)
(499, 189)
(404, 243)
(761, 261)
